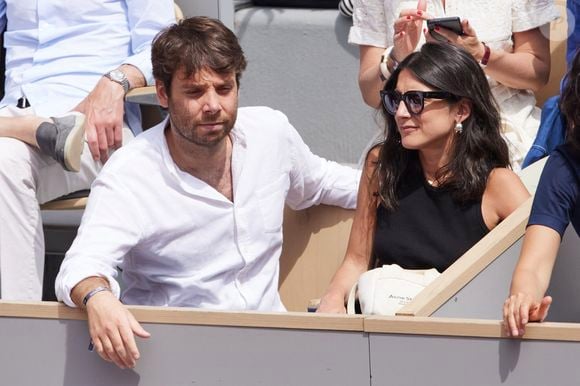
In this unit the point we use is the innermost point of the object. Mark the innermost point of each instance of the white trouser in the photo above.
(27, 179)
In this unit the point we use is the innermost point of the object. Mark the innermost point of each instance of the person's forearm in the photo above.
(134, 75)
(519, 70)
(528, 282)
(534, 268)
(369, 77)
(85, 286)
(344, 279)
(370, 85)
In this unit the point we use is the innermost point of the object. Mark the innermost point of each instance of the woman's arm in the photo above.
(359, 246)
(527, 67)
(369, 76)
(531, 279)
(503, 194)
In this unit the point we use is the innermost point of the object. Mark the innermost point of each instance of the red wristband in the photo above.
(486, 55)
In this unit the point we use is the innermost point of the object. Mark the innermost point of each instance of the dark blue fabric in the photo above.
(556, 200)
(551, 133)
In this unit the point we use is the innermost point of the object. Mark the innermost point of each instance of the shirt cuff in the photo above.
(65, 282)
(364, 37)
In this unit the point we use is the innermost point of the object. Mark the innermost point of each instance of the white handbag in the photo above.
(385, 290)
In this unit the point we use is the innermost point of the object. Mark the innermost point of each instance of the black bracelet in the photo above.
(93, 292)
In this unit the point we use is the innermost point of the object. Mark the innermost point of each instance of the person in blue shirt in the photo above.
(555, 207)
(74, 60)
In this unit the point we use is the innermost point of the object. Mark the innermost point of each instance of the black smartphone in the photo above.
(451, 23)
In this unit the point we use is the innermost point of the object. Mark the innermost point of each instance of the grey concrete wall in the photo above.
(221, 9)
(299, 62)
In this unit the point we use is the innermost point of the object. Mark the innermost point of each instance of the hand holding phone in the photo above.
(451, 23)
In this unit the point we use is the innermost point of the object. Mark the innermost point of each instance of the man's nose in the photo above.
(211, 102)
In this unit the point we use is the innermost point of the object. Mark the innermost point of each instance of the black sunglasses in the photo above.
(414, 100)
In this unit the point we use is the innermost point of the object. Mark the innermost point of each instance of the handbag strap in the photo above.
(350, 308)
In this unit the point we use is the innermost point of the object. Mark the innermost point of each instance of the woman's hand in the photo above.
(521, 308)
(468, 41)
(408, 30)
(332, 304)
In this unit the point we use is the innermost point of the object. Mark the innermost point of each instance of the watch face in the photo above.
(117, 75)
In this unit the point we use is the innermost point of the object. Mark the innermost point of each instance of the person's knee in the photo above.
(15, 159)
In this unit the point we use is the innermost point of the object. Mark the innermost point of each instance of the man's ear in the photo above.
(161, 93)
(464, 110)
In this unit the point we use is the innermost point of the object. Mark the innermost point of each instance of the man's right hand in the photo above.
(112, 328)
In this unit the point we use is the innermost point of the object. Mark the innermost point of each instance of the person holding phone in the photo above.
(439, 181)
(504, 36)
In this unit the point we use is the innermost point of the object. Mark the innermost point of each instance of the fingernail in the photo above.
(419, 12)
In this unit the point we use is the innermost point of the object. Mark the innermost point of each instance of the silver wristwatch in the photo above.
(119, 76)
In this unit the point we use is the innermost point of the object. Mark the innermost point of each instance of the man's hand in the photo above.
(519, 309)
(112, 328)
(103, 110)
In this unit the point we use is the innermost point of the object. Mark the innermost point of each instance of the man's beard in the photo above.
(191, 132)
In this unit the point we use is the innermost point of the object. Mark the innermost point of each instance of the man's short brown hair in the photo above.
(195, 44)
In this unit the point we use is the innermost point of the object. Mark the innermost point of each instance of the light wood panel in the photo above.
(315, 241)
(181, 315)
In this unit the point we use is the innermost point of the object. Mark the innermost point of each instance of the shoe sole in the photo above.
(74, 144)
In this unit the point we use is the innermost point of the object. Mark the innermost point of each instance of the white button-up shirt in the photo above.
(178, 241)
(57, 50)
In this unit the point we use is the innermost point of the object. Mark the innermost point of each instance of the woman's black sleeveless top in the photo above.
(428, 229)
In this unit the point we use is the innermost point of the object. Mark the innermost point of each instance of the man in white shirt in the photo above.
(192, 209)
(63, 56)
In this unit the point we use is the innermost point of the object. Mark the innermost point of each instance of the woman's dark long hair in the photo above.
(475, 152)
(570, 103)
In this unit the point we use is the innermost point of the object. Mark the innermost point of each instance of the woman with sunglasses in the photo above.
(507, 38)
(556, 205)
(440, 181)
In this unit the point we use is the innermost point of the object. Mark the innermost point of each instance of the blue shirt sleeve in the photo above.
(146, 19)
(555, 199)
(2, 15)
